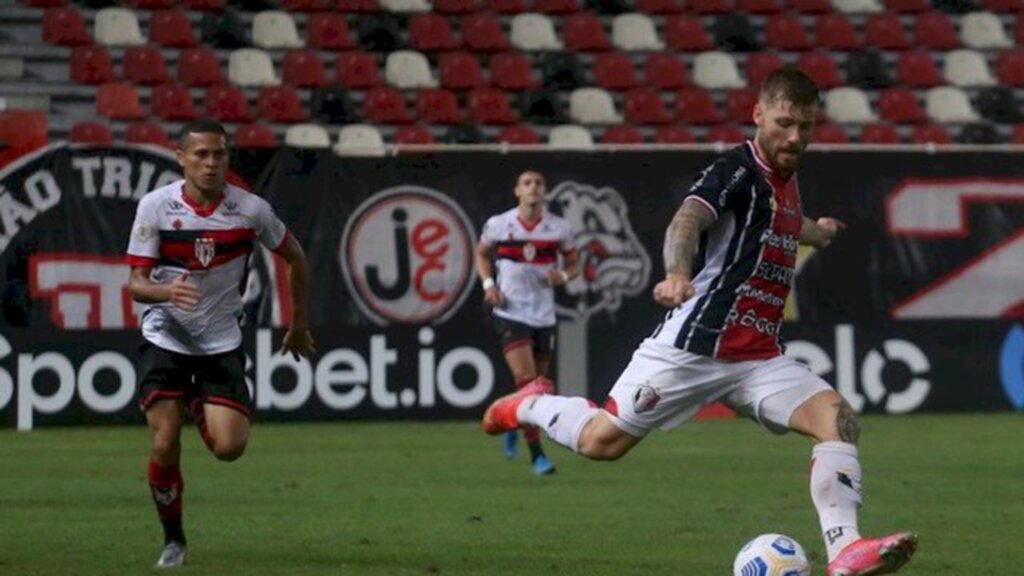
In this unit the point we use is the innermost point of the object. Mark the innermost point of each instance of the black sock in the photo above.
(535, 450)
(173, 532)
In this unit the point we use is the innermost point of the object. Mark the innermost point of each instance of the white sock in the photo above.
(836, 492)
(561, 417)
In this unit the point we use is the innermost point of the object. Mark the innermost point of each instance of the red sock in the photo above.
(531, 434)
(167, 488)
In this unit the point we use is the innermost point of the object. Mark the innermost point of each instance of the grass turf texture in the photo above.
(423, 498)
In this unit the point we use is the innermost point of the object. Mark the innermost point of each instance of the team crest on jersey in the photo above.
(645, 399)
(206, 249)
(529, 251)
(613, 261)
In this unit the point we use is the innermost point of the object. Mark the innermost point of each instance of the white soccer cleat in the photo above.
(172, 556)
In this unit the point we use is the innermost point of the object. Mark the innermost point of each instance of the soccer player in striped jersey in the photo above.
(526, 244)
(190, 249)
(729, 256)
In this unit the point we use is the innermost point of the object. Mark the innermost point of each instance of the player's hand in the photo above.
(830, 228)
(673, 290)
(298, 342)
(492, 297)
(557, 277)
(184, 293)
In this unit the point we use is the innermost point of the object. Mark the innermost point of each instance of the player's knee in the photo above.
(595, 448)
(228, 451)
(165, 447)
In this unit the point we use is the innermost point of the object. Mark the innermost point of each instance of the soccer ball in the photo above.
(771, 555)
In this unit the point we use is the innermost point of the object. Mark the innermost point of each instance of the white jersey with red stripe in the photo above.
(174, 236)
(745, 264)
(524, 253)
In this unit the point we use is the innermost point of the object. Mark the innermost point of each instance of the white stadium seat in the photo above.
(593, 106)
(857, 6)
(849, 105)
(570, 137)
(117, 27)
(967, 68)
(307, 136)
(635, 32)
(949, 105)
(717, 70)
(409, 69)
(983, 30)
(248, 67)
(274, 29)
(359, 140)
(534, 33)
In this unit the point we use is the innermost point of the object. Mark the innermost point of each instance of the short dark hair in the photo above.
(790, 85)
(201, 126)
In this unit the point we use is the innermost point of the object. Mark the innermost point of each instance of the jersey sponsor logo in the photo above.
(613, 261)
(407, 254)
(205, 249)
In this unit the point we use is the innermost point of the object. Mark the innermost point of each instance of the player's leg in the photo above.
(225, 398)
(517, 347)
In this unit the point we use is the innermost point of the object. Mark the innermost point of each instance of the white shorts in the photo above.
(663, 387)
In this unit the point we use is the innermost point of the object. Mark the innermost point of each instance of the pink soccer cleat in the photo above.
(871, 556)
(501, 414)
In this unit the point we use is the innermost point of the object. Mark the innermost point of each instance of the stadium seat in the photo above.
(91, 65)
(311, 136)
(709, 6)
(357, 6)
(328, 31)
(614, 71)
(560, 7)
(64, 26)
(644, 106)
(359, 140)
(716, 70)
(563, 70)
(739, 105)
(879, 133)
(899, 105)
(483, 33)
(848, 105)
(460, 71)
(542, 107)
(836, 32)
(358, 70)
(917, 69)
(42, 3)
(117, 27)
(118, 101)
(172, 102)
(512, 71)
(275, 30)
(983, 31)
(332, 105)
(822, 68)
(635, 33)
(1010, 67)
(171, 28)
(967, 68)
(149, 133)
(663, 7)
(280, 104)
(592, 106)
(696, 106)
(725, 135)
(983, 134)
(760, 65)
(405, 6)
(519, 134)
(622, 134)
(206, 5)
(809, 6)
(380, 32)
(758, 6)
(827, 133)
(949, 105)
(1018, 134)
(735, 33)
(88, 132)
(416, 135)
(227, 104)
(438, 106)
(908, 6)
(449, 7)
(785, 32)
(303, 68)
(534, 33)
(885, 32)
(930, 133)
(144, 65)
(583, 32)
(997, 104)
(934, 31)
(867, 69)
(431, 33)
(673, 135)
(507, 6)
(407, 69)
(570, 137)
(307, 5)
(1019, 30)
(254, 136)
(251, 67)
(686, 33)
(857, 6)
(1002, 6)
(384, 105)
(491, 106)
(666, 71)
(955, 6)
(199, 67)
(224, 30)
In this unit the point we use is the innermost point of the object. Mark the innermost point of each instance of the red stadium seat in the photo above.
(148, 133)
(614, 71)
(739, 105)
(908, 6)
(483, 33)
(622, 134)
(696, 106)
(172, 102)
(666, 71)
(1018, 134)
(885, 32)
(725, 134)
(658, 6)
(358, 69)
(930, 133)
(358, 6)
(280, 104)
(709, 6)
(673, 135)
(199, 67)
(1010, 67)
(880, 134)
(144, 65)
(328, 31)
(506, 6)
(687, 33)
(307, 5)
(91, 65)
(518, 135)
(786, 32)
(414, 135)
(119, 101)
(88, 132)
(171, 28)
(303, 68)
(456, 6)
(206, 5)
(460, 71)
(1002, 5)
(556, 6)
(836, 32)
(384, 105)
(65, 26)
(821, 68)
(227, 104)
(584, 32)
(151, 4)
(490, 106)
(759, 6)
(512, 71)
(760, 65)
(827, 133)
(934, 30)
(809, 6)
(899, 105)
(255, 136)
(917, 69)
(42, 3)
(1019, 30)
(431, 33)
(438, 106)
(644, 106)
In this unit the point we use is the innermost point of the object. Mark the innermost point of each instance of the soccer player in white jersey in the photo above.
(729, 255)
(189, 250)
(525, 245)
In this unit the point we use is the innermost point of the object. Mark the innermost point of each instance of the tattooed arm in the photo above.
(681, 238)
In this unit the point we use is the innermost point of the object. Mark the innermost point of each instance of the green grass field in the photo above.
(421, 498)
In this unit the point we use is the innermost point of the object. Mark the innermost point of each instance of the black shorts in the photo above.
(515, 334)
(215, 379)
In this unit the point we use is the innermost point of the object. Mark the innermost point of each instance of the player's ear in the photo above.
(758, 113)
